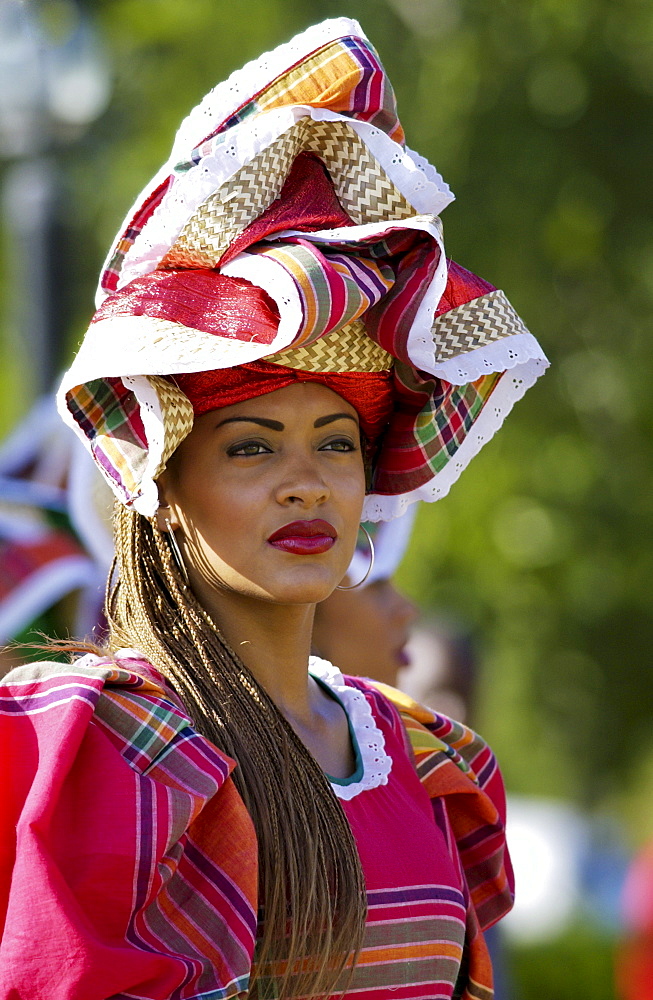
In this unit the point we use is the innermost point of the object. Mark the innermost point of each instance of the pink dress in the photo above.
(129, 865)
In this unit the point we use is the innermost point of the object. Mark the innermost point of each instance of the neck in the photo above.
(274, 642)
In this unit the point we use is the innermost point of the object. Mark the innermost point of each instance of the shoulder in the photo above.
(459, 770)
(436, 739)
(122, 821)
(122, 700)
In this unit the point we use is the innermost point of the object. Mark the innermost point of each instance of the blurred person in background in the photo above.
(634, 965)
(56, 542)
(443, 668)
(365, 626)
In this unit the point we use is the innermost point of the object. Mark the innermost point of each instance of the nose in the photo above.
(403, 608)
(302, 483)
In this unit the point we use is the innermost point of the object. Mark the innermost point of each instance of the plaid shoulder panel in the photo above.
(455, 762)
(130, 704)
(126, 820)
(35, 688)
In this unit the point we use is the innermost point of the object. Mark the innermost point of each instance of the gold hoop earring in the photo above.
(176, 553)
(369, 568)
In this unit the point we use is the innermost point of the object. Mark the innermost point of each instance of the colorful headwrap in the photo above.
(370, 393)
(292, 224)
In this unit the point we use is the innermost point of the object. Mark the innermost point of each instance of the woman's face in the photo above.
(267, 495)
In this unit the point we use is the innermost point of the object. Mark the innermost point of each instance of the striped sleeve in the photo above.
(122, 839)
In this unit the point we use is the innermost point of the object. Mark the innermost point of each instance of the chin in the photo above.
(300, 588)
(300, 594)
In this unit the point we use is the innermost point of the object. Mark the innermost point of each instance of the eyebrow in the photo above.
(321, 421)
(276, 425)
(273, 425)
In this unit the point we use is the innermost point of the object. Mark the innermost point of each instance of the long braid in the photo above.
(311, 888)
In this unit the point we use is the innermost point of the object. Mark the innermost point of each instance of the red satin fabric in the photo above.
(201, 299)
(462, 286)
(370, 393)
(307, 202)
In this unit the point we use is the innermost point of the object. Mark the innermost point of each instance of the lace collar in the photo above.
(376, 764)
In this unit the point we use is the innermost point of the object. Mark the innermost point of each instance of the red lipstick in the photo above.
(304, 538)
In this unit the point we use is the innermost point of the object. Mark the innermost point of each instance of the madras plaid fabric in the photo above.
(344, 76)
(432, 417)
(338, 282)
(122, 822)
(334, 222)
(125, 826)
(459, 771)
(425, 939)
(109, 415)
(381, 279)
(416, 447)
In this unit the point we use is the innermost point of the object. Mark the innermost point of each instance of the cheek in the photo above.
(351, 491)
(220, 512)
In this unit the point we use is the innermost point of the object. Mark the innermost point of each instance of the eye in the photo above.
(248, 448)
(339, 444)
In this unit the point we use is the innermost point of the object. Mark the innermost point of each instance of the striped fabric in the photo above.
(129, 865)
(109, 414)
(128, 834)
(381, 279)
(335, 288)
(344, 76)
(292, 178)
(431, 421)
(477, 821)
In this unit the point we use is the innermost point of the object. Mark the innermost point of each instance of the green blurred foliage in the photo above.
(538, 113)
(579, 965)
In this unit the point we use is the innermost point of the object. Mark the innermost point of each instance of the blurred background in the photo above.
(538, 113)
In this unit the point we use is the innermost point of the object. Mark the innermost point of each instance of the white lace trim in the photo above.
(244, 83)
(424, 189)
(226, 97)
(377, 765)
(376, 762)
(274, 279)
(511, 387)
(499, 356)
(520, 355)
(412, 174)
(131, 346)
(420, 346)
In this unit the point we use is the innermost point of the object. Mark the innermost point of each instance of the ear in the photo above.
(166, 515)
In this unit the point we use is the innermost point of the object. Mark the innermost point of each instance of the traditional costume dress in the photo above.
(292, 235)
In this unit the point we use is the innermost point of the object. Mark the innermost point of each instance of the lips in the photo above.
(403, 657)
(304, 538)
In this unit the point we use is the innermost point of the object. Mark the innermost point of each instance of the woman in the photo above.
(277, 352)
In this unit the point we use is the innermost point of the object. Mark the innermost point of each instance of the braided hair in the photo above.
(312, 902)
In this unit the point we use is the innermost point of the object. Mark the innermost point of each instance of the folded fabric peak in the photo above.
(293, 231)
